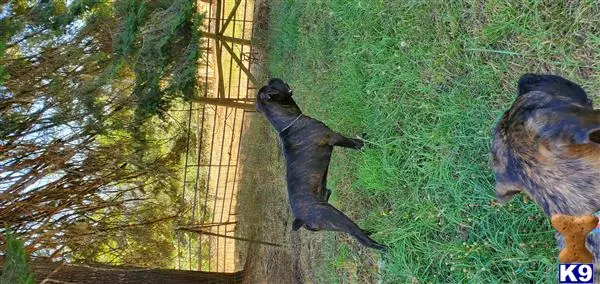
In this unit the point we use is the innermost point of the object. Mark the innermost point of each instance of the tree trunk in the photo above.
(225, 102)
(54, 272)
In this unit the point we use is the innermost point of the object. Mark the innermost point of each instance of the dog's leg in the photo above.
(326, 217)
(327, 194)
(297, 224)
(310, 229)
(342, 141)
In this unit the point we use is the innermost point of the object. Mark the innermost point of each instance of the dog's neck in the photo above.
(290, 124)
(283, 119)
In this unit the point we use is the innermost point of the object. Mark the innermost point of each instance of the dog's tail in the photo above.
(326, 217)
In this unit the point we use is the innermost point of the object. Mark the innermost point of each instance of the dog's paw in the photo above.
(359, 144)
(368, 232)
(297, 224)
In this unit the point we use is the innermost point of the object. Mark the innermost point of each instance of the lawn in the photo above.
(426, 82)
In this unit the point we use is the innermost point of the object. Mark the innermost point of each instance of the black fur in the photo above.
(307, 146)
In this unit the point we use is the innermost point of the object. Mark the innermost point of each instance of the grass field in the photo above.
(426, 81)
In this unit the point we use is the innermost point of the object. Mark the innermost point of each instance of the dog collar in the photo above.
(290, 125)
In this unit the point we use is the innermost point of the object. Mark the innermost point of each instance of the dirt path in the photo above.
(263, 207)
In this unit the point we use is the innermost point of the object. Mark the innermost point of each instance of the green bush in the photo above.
(15, 269)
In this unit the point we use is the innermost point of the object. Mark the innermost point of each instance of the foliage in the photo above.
(15, 268)
(89, 156)
(433, 77)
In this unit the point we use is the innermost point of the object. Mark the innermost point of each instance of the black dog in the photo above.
(307, 146)
(547, 145)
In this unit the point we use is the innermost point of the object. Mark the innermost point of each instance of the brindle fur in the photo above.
(547, 145)
(307, 146)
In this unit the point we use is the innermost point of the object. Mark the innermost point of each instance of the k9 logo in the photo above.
(576, 273)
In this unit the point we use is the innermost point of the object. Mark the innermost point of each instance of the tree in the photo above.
(98, 273)
(89, 155)
(15, 267)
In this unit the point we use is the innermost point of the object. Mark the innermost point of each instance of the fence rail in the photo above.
(206, 236)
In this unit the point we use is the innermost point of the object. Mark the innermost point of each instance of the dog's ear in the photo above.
(554, 85)
(266, 93)
(569, 127)
(526, 82)
(280, 85)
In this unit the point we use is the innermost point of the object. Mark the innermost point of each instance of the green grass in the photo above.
(426, 81)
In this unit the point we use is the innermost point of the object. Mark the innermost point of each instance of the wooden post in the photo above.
(227, 38)
(218, 16)
(220, 69)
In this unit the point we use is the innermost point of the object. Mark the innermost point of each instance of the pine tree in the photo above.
(89, 154)
(15, 267)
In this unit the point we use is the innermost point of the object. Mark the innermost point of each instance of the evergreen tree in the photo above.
(89, 154)
(15, 267)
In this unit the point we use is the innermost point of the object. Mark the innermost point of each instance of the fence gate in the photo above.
(206, 240)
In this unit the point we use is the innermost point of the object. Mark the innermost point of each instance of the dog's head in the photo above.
(547, 145)
(274, 97)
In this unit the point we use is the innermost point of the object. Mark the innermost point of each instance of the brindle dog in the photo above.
(547, 145)
(307, 146)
